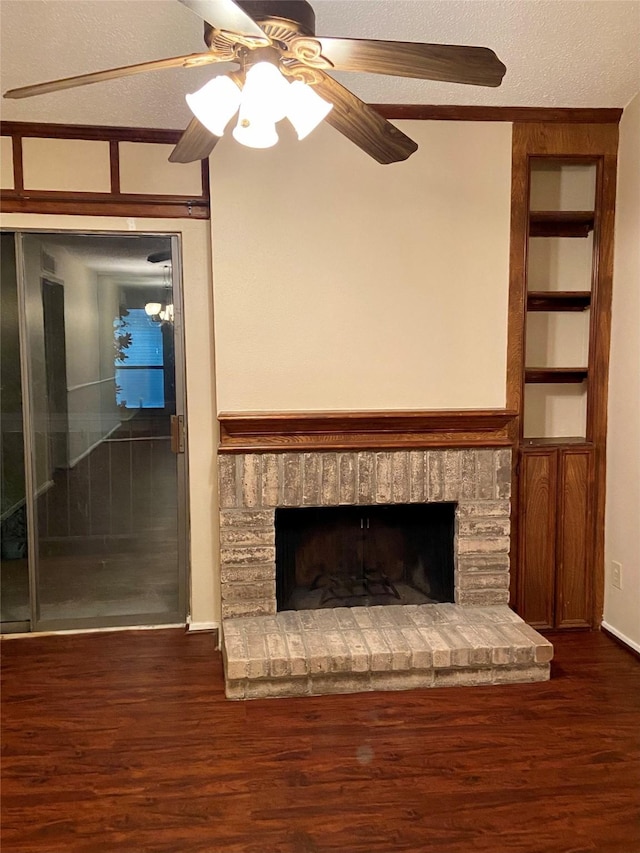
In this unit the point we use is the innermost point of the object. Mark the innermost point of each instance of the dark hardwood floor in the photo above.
(125, 742)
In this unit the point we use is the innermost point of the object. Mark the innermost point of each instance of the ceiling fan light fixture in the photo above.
(152, 309)
(306, 109)
(215, 104)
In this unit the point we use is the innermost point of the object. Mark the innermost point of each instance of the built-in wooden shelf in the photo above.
(558, 300)
(561, 223)
(555, 441)
(556, 374)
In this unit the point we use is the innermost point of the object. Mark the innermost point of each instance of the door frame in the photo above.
(181, 615)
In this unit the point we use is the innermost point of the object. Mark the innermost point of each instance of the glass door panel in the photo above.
(101, 343)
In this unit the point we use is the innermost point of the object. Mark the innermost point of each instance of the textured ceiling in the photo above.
(558, 53)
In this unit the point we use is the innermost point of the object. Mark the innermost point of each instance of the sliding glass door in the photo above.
(105, 468)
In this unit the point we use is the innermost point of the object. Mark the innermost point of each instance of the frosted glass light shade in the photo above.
(152, 309)
(215, 104)
(255, 134)
(306, 109)
(265, 95)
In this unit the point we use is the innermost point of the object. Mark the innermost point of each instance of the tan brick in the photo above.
(421, 655)
(509, 675)
(246, 518)
(484, 508)
(239, 536)
(402, 680)
(329, 495)
(231, 609)
(360, 658)
(500, 544)
(483, 580)
(452, 475)
(318, 659)
(258, 663)
(379, 650)
(292, 480)
(247, 574)
(400, 487)
(463, 677)
(347, 478)
(278, 655)
(492, 527)
(384, 477)
(251, 477)
(297, 654)
(248, 555)
(340, 683)
(435, 475)
(482, 597)
(366, 478)
(241, 592)
(234, 654)
(311, 479)
(277, 688)
(228, 481)
(503, 474)
(271, 479)
(468, 475)
(418, 477)
(485, 472)
(440, 647)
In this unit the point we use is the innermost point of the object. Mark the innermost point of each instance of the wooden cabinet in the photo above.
(556, 540)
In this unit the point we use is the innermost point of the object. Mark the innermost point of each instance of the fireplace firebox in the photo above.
(358, 556)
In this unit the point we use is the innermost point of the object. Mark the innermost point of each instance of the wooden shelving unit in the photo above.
(568, 375)
(561, 223)
(558, 300)
(563, 190)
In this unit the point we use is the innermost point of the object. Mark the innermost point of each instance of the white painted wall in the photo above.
(343, 284)
(622, 533)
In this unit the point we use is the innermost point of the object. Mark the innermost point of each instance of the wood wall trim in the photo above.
(114, 166)
(246, 432)
(90, 131)
(114, 203)
(439, 112)
(18, 169)
(90, 205)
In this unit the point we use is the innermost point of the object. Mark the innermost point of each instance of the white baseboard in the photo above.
(622, 637)
(202, 626)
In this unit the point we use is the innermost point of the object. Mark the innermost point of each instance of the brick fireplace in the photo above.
(253, 485)
(476, 639)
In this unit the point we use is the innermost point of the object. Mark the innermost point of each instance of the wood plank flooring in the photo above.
(125, 742)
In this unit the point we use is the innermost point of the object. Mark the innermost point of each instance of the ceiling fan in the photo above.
(281, 34)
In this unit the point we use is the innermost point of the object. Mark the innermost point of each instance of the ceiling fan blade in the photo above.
(227, 16)
(363, 125)
(196, 143)
(450, 63)
(188, 61)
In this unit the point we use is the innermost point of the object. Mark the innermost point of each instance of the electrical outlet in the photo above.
(616, 574)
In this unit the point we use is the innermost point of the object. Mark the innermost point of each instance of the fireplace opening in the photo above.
(364, 556)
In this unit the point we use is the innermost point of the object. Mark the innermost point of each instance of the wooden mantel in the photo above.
(246, 432)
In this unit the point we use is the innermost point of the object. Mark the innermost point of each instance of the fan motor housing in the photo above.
(285, 18)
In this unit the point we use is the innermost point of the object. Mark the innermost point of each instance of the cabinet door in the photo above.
(537, 552)
(574, 554)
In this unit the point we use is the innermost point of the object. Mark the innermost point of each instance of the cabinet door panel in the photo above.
(536, 587)
(573, 590)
